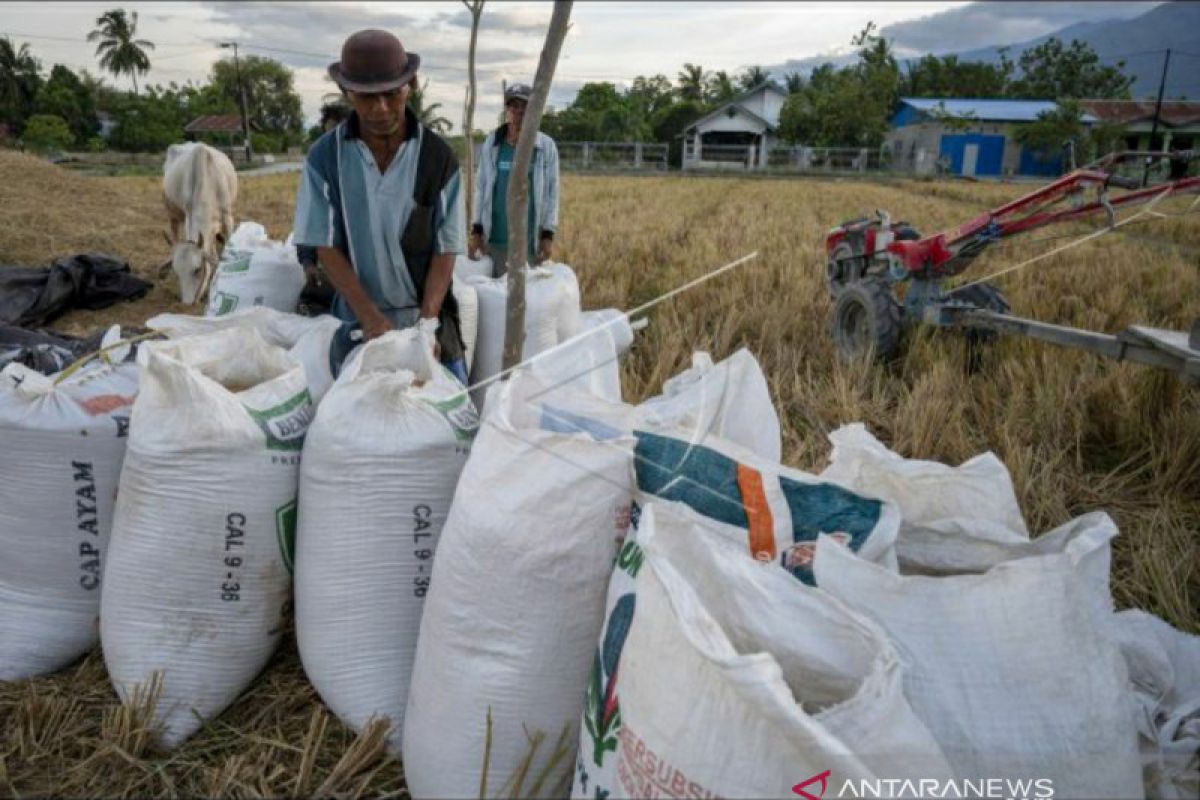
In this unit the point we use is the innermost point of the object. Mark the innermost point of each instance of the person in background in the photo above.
(489, 228)
(380, 201)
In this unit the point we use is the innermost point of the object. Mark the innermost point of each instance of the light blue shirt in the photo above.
(375, 209)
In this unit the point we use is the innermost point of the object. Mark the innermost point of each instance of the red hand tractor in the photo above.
(869, 260)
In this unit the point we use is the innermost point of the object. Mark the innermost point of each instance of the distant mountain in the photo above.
(1174, 25)
(1116, 31)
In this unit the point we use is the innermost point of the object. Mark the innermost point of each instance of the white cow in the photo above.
(199, 190)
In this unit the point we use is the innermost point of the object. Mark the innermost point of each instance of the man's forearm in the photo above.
(340, 273)
(437, 283)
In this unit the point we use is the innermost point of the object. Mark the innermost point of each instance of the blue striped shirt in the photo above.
(375, 209)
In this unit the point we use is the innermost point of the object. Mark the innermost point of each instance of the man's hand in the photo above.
(475, 245)
(375, 325)
(545, 249)
(428, 328)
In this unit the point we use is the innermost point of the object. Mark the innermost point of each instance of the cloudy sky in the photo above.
(608, 41)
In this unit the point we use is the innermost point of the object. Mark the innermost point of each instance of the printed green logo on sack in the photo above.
(780, 518)
(460, 413)
(285, 532)
(223, 304)
(234, 261)
(286, 423)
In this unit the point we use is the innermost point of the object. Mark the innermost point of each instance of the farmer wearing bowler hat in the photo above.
(380, 201)
(490, 226)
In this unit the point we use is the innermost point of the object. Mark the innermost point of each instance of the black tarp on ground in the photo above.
(33, 296)
(48, 352)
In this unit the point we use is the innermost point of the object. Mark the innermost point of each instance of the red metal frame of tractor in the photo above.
(935, 256)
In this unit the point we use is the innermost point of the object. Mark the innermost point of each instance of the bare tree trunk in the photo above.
(476, 9)
(518, 184)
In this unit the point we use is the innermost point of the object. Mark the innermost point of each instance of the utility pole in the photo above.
(1162, 85)
(242, 94)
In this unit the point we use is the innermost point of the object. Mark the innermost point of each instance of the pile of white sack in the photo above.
(562, 645)
(569, 595)
(553, 316)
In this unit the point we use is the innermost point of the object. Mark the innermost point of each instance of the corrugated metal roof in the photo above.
(1123, 112)
(212, 123)
(990, 110)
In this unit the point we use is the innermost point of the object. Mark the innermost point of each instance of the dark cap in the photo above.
(374, 61)
(518, 91)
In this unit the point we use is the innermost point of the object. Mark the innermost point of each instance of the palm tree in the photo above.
(751, 77)
(19, 82)
(691, 82)
(427, 114)
(719, 87)
(119, 52)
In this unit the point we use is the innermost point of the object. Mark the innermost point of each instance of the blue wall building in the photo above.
(968, 137)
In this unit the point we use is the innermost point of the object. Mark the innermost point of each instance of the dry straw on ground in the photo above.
(1077, 432)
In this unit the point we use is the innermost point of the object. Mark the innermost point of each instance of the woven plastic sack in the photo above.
(255, 270)
(307, 339)
(198, 575)
(516, 601)
(374, 496)
(62, 442)
(738, 681)
(1013, 669)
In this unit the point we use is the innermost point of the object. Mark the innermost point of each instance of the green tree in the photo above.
(272, 104)
(46, 132)
(1046, 137)
(794, 82)
(1052, 71)
(879, 84)
(691, 82)
(651, 96)
(953, 122)
(20, 80)
(719, 88)
(847, 107)
(120, 53)
(751, 77)
(599, 113)
(931, 76)
(64, 95)
(673, 121)
(427, 113)
(150, 121)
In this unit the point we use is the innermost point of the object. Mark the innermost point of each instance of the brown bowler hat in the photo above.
(374, 61)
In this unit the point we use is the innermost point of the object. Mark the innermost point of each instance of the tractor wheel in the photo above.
(866, 319)
(843, 267)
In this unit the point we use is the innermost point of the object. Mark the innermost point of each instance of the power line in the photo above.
(184, 53)
(323, 56)
(77, 40)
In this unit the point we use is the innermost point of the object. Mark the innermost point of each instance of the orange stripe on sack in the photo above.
(758, 513)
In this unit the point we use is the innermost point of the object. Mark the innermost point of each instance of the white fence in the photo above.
(784, 158)
(613, 155)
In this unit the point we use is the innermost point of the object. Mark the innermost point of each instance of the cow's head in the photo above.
(194, 263)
